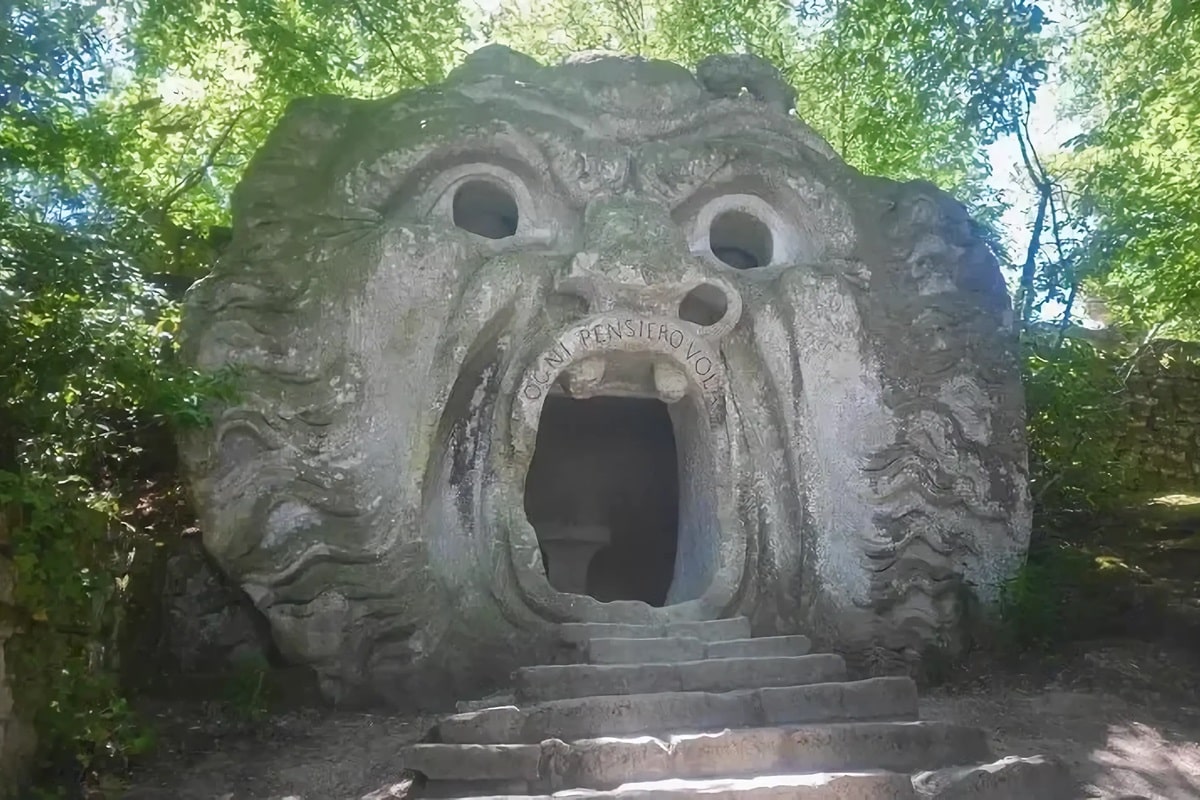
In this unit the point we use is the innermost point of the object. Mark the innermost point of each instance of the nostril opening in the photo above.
(705, 305)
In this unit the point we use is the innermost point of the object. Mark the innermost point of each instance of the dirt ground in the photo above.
(310, 755)
(1123, 715)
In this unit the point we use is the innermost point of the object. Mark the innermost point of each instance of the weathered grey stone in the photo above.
(715, 675)
(656, 650)
(473, 762)
(764, 647)
(501, 724)
(400, 790)
(208, 625)
(1012, 778)
(491, 701)
(620, 715)
(809, 786)
(728, 75)
(896, 747)
(479, 789)
(609, 294)
(875, 698)
(671, 649)
(1161, 448)
(716, 630)
(598, 763)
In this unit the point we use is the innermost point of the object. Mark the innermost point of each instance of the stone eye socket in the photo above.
(741, 240)
(486, 209)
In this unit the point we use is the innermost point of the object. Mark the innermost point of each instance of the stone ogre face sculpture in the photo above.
(604, 341)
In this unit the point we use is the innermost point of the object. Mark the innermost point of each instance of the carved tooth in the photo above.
(584, 377)
(670, 382)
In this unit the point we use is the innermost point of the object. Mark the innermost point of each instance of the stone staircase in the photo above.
(700, 709)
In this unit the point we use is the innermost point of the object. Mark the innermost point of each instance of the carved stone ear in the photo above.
(727, 75)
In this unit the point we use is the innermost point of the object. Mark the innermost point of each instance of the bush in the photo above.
(88, 378)
(1065, 593)
(1074, 398)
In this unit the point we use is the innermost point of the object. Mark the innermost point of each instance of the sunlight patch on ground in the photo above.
(1140, 760)
(1175, 500)
(1112, 562)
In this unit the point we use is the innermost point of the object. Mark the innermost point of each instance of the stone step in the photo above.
(713, 630)
(670, 649)
(608, 762)
(1033, 778)
(718, 675)
(894, 746)
(685, 712)
(474, 762)
(813, 786)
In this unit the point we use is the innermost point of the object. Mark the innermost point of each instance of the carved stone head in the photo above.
(604, 341)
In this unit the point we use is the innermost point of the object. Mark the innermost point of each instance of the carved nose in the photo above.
(636, 261)
(635, 241)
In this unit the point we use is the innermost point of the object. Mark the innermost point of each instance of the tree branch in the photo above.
(1141, 348)
(189, 181)
(1065, 322)
(1029, 268)
(1045, 187)
(400, 65)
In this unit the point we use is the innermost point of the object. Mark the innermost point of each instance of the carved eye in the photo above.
(487, 200)
(507, 206)
(740, 240)
(485, 208)
(742, 231)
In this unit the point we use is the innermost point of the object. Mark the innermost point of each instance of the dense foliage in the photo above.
(873, 76)
(86, 383)
(1133, 171)
(124, 125)
(1075, 415)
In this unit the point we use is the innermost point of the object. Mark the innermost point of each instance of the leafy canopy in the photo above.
(1135, 69)
(901, 88)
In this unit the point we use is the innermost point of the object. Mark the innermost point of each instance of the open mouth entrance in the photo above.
(602, 494)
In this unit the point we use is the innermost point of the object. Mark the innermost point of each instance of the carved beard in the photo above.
(456, 312)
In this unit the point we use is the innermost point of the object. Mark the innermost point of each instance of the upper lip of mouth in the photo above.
(626, 354)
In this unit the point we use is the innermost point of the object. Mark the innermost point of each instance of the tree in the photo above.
(1132, 174)
(123, 127)
(900, 88)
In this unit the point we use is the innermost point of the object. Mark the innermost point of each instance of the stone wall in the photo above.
(1163, 398)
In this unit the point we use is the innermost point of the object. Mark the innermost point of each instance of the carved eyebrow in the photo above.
(787, 136)
(746, 161)
(396, 175)
(732, 166)
(537, 102)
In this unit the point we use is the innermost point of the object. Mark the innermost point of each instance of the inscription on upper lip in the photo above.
(627, 333)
